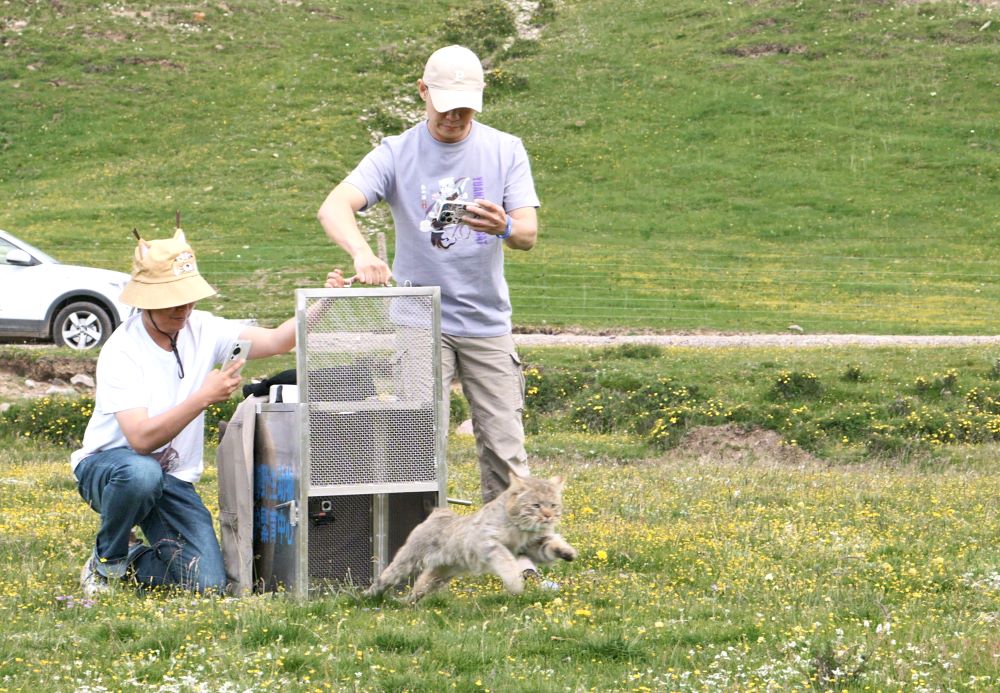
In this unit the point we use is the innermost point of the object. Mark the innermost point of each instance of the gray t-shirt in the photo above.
(415, 173)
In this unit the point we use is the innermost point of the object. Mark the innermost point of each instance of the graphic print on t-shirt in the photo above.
(443, 220)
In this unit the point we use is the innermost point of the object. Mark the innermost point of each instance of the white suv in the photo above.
(41, 298)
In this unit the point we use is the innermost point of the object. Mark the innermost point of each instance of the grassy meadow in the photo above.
(747, 519)
(735, 166)
(728, 556)
(695, 574)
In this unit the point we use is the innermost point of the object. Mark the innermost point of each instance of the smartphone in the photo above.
(239, 349)
(451, 213)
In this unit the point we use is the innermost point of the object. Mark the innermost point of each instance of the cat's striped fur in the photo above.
(520, 521)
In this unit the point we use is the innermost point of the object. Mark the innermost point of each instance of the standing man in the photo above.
(459, 192)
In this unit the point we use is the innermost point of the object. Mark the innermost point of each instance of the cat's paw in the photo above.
(515, 585)
(566, 552)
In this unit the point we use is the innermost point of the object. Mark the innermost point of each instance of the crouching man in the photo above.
(142, 450)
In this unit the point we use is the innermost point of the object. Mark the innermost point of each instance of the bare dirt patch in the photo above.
(24, 376)
(735, 444)
(765, 49)
(160, 62)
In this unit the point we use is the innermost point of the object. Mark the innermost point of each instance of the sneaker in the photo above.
(549, 585)
(93, 583)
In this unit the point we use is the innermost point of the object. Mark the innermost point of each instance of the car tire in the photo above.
(81, 326)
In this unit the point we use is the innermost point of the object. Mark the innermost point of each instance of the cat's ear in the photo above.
(516, 482)
(557, 481)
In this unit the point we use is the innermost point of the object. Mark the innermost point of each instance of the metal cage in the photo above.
(360, 459)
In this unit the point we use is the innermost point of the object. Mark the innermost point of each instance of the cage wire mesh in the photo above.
(368, 370)
(340, 540)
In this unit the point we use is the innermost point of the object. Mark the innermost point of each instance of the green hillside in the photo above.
(702, 164)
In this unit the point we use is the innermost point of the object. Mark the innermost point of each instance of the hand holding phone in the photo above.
(239, 350)
(451, 213)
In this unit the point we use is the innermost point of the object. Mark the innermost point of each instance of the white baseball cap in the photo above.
(454, 77)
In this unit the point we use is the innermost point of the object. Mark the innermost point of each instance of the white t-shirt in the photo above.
(134, 373)
(414, 173)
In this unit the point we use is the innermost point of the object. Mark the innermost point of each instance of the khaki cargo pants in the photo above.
(489, 371)
(492, 380)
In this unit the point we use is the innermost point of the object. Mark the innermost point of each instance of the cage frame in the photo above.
(381, 493)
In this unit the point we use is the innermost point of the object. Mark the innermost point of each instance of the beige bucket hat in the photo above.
(165, 275)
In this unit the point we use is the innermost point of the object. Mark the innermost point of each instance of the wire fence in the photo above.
(655, 287)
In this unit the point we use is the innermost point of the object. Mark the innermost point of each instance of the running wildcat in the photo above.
(520, 521)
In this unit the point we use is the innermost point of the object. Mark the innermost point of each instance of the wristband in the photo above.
(509, 230)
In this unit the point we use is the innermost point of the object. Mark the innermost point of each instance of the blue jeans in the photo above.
(129, 489)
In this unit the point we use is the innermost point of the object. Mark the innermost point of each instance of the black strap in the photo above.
(173, 344)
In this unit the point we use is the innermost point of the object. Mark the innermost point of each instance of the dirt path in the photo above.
(34, 377)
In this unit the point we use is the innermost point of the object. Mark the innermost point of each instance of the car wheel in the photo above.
(81, 326)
